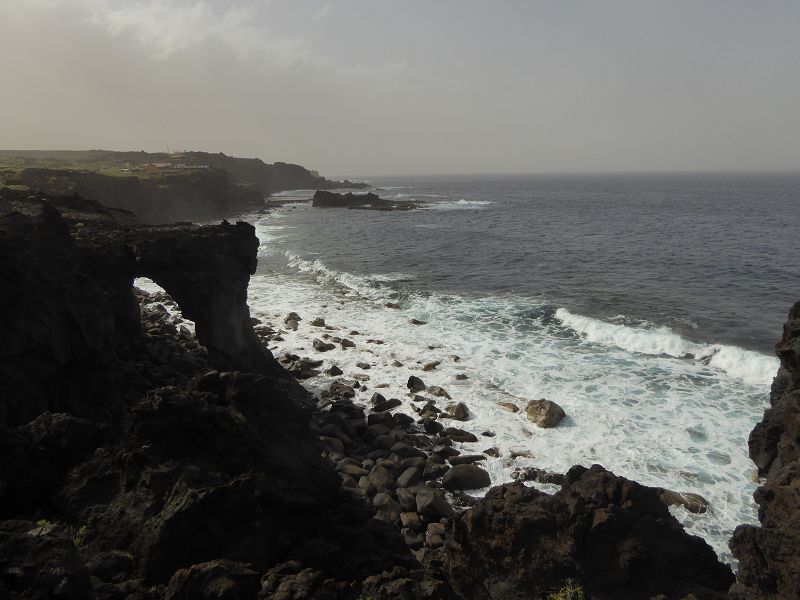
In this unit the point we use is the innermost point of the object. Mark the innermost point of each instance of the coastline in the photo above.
(349, 302)
(221, 449)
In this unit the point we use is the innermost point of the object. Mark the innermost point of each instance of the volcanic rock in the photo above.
(612, 535)
(466, 477)
(544, 413)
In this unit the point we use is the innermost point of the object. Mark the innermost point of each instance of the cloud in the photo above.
(324, 12)
(163, 28)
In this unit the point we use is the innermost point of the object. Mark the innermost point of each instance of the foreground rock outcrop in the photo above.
(769, 555)
(612, 535)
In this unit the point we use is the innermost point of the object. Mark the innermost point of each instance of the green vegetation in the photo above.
(80, 535)
(571, 591)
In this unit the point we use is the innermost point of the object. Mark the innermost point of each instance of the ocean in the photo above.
(647, 306)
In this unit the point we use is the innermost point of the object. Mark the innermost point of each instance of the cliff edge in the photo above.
(769, 555)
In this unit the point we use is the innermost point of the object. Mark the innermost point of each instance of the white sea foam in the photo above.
(751, 367)
(462, 204)
(636, 402)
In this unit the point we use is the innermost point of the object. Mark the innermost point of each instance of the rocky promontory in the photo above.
(153, 447)
(368, 201)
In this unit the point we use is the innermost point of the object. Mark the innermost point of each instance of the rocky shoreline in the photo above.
(151, 457)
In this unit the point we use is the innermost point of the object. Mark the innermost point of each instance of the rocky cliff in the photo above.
(127, 456)
(195, 195)
(769, 555)
(269, 178)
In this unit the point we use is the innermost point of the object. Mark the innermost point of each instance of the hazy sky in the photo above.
(358, 87)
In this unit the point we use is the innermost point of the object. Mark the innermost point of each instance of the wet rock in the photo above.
(387, 405)
(520, 454)
(292, 316)
(415, 384)
(430, 366)
(509, 406)
(417, 322)
(396, 363)
(458, 411)
(363, 365)
(544, 413)
(536, 474)
(694, 503)
(342, 390)
(333, 371)
(432, 426)
(318, 322)
(376, 398)
(466, 477)
(465, 459)
(494, 452)
(438, 391)
(393, 305)
(321, 346)
(461, 377)
(459, 435)
(345, 343)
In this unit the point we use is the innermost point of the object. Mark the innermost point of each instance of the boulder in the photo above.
(431, 503)
(409, 477)
(321, 346)
(387, 405)
(466, 477)
(438, 391)
(544, 413)
(509, 406)
(415, 384)
(458, 411)
(694, 503)
(459, 435)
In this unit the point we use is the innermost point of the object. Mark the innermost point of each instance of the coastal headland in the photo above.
(155, 448)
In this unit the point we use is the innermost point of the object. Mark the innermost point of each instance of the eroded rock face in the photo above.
(769, 555)
(71, 250)
(206, 270)
(612, 535)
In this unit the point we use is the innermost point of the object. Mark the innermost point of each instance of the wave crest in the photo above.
(751, 367)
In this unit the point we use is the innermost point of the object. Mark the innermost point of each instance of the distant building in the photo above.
(153, 167)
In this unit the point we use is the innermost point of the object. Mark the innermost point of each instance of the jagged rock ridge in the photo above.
(769, 555)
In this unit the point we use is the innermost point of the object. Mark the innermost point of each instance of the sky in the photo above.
(372, 87)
